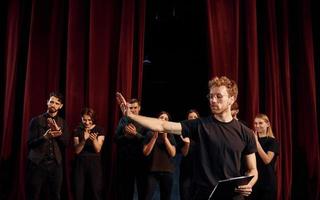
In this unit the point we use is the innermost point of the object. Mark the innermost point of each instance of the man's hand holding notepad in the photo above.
(227, 188)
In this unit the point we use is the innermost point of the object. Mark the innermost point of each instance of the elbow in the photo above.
(267, 161)
(173, 153)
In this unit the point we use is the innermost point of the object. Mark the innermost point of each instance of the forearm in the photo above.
(148, 147)
(185, 149)
(171, 149)
(157, 125)
(34, 142)
(79, 146)
(263, 155)
(97, 145)
(254, 173)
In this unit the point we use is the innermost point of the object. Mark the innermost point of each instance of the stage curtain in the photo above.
(87, 50)
(267, 46)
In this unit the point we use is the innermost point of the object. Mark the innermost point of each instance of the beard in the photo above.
(52, 110)
(216, 110)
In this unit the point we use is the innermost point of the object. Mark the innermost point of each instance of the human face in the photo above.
(87, 121)
(192, 115)
(219, 99)
(54, 105)
(164, 117)
(260, 126)
(135, 108)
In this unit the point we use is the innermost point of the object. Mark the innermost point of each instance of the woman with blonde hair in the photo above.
(268, 149)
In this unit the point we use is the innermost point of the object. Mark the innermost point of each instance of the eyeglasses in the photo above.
(216, 96)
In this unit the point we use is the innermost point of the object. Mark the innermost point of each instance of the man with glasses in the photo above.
(220, 140)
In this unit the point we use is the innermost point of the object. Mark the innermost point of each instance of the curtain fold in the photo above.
(262, 44)
(89, 50)
(74, 47)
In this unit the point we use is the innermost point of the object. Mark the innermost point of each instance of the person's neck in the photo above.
(224, 117)
(261, 135)
(52, 114)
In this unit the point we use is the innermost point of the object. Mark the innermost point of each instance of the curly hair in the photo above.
(231, 85)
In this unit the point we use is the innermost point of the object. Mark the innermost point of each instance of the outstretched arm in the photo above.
(153, 124)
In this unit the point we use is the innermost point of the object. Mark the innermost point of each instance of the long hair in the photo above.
(265, 118)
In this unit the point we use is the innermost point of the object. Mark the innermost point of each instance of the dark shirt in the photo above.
(219, 148)
(41, 148)
(88, 148)
(267, 177)
(129, 147)
(159, 159)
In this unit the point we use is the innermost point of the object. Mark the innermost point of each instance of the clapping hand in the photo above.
(185, 139)
(54, 130)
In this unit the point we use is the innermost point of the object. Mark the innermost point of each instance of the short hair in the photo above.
(231, 85)
(131, 101)
(58, 95)
(90, 112)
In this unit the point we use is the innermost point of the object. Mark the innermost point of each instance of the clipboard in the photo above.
(225, 188)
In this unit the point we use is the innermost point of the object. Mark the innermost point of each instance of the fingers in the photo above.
(244, 190)
(55, 133)
(120, 99)
(93, 136)
(52, 124)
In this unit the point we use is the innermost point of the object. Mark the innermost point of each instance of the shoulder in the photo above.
(99, 129)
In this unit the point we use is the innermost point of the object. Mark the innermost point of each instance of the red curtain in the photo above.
(251, 41)
(87, 50)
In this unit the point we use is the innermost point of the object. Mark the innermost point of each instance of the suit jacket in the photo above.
(38, 145)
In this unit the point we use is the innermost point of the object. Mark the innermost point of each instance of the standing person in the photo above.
(220, 140)
(186, 165)
(131, 162)
(160, 148)
(268, 149)
(88, 139)
(47, 139)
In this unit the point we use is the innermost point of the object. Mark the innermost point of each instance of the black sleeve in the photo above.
(273, 146)
(36, 132)
(189, 127)
(251, 146)
(119, 135)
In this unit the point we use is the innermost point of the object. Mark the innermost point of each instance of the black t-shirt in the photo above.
(159, 159)
(267, 177)
(219, 148)
(88, 148)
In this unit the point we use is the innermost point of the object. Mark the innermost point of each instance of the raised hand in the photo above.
(123, 104)
(130, 129)
(93, 136)
(53, 125)
(185, 139)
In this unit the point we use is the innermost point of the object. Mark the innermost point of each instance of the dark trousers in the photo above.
(201, 193)
(185, 187)
(165, 181)
(263, 193)
(47, 173)
(129, 174)
(88, 178)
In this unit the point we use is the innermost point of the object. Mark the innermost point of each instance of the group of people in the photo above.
(48, 137)
(214, 148)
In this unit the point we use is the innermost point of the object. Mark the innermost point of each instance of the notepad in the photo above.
(225, 188)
